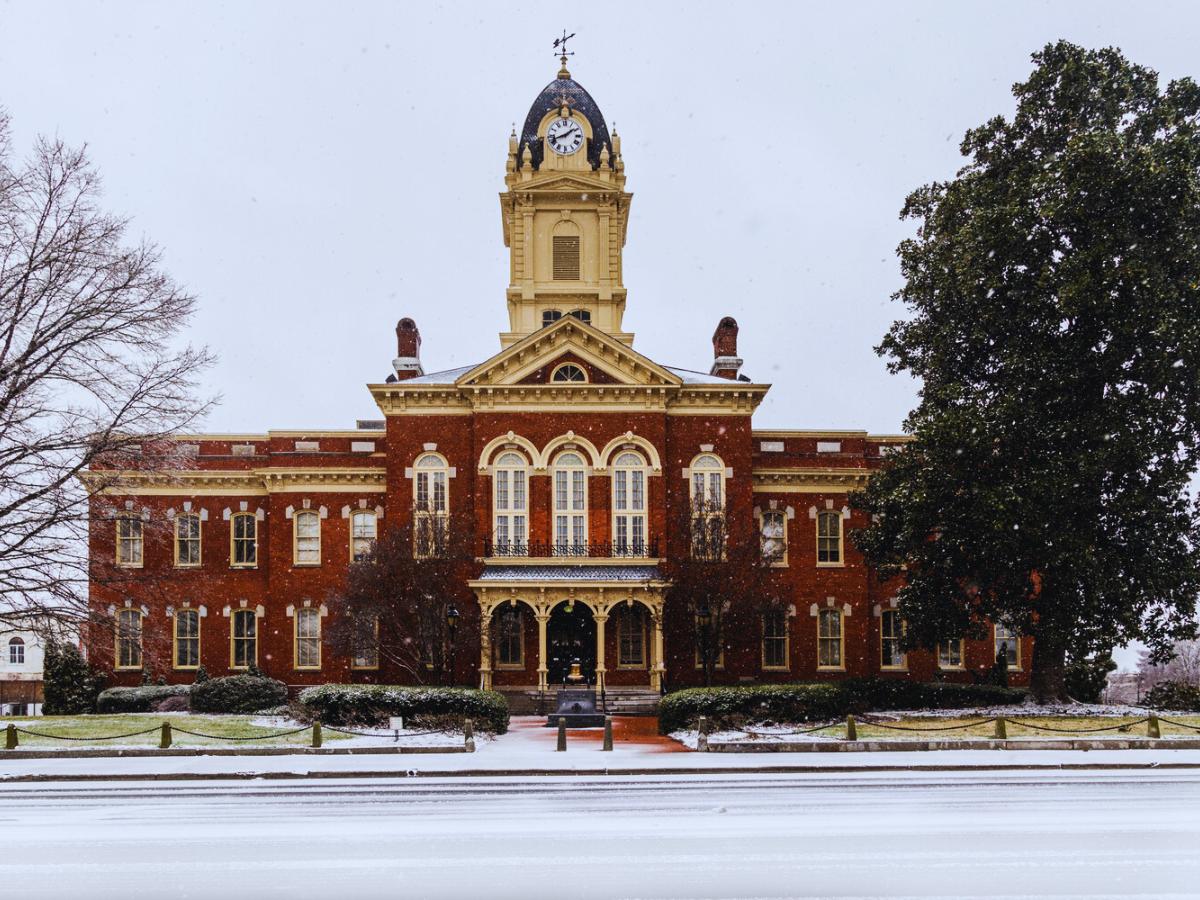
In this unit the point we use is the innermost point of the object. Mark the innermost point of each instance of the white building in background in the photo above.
(20, 674)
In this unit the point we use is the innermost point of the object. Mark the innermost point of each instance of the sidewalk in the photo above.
(529, 750)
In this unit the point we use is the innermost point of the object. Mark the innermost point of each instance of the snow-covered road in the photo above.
(950, 834)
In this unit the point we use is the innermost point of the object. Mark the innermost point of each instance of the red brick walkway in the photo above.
(639, 731)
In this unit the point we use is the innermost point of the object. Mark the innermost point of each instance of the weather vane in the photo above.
(560, 46)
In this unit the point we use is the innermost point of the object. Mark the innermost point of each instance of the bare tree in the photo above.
(1183, 666)
(402, 602)
(93, 375)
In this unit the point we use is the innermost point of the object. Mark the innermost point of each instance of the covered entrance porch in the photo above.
(608, 617)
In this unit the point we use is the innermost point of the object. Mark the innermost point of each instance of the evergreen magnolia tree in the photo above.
(1054, 291)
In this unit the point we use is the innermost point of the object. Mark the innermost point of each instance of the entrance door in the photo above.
(570, 635)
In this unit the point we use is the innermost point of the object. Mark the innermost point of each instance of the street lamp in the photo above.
(452, 623)
(704, 620)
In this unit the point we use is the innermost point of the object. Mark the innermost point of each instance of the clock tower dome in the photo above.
(565, 212)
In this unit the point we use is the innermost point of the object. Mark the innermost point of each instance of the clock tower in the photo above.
(565, 213)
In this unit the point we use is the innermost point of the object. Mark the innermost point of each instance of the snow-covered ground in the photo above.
(943, 835)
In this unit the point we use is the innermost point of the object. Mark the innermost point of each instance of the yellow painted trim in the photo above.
(808, 480)
(199, 540)
(840, 563)
(296, 515)
(233, 614)
(175, 639)
(296, 615)
(141, 542)
(555, 512)
(141, 652)
(1016, 667)
(841, 618)
(560, 366)
(350, 526)
(233, 564)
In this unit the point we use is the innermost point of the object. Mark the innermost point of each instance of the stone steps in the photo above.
(619, 701)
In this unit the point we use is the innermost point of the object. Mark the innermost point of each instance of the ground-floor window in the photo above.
(891, 640)
(1008, 645)
(187, 639)
(775, 640)
(243, 639)
(829, 639)
(366, 643)
(308, 638)
(129, 639)
(631, 636)
(950, 654)
(510, 637)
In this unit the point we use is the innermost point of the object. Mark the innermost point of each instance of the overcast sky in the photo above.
(314, 171)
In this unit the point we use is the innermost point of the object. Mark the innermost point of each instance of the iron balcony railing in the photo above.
(544, 549)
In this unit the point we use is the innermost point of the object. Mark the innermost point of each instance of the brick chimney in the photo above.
(408, 351)
(726, 363)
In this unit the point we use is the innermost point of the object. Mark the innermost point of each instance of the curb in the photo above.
(835, 746)
(146, 752)
(591, 773)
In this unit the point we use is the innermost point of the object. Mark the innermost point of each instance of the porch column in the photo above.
(600, 619)
(485, 649)
(543, 670)
(657, 668)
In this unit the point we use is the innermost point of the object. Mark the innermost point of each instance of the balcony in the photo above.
(551, 550)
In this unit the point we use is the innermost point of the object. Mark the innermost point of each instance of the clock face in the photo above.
(564, 136)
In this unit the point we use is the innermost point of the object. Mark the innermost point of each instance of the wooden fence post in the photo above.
(316, 739)
(1152, 729)
(10, 737)
(164, 740)
(702, 735)
(469, 735)
(607, 733)
(1001, 729)
(851, 729)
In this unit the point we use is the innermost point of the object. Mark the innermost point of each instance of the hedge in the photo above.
(730, 707)
(138, 699)
(372, 704)
(238, 694)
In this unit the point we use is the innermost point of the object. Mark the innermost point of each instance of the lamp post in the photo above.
(704, 620)
(452, 624)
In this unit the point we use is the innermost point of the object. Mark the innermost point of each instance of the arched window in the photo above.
(708, 507)
(187, 639)
(629, 505)
(243, 536)
(510, 637)
(187, 539)
(582, 315)
(431, 504)
(16, 652)
(570, 505)
(569, 372)
(307, 536)
(631, 636)
(129, 639)
(364, 529)
(510, 505)
(550, 316)
(830, 648)
(829, 538)
(243, 639)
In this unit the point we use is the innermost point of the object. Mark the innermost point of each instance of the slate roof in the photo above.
(582, 102)
(631, 573)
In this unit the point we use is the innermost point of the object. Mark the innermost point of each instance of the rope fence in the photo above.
(166, 732)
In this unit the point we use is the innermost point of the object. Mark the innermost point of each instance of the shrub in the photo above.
(370, 705)
(1087, 677)
(731, 707)
(69, 683)
(138, 699)
(1173, 695)
(238, 694)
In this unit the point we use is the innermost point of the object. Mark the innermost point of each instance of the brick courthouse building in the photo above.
(570, 455)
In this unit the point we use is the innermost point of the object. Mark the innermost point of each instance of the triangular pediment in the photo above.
(567, 184)
(569, 337)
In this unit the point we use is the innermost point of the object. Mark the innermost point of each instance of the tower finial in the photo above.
(560, 50)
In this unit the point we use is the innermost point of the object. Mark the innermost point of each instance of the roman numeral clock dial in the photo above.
(564, 136)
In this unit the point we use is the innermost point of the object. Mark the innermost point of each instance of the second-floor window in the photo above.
(16, 652)
(129, 541)
(244, 540)
(430, 504)
(570, 505)
(307, 549)
(773, 535)
(829, 537)
(129, 639)
(363, 532)
(187, 639)
(187, 539)
(629, 505)
(510, 504)
(708, 506)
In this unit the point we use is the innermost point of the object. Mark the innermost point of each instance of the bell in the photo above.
(575, 674)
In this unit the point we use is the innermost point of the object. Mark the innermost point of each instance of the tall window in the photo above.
(829, 639)
(509, 504)
(1008, 643)
(510, 637)
(775, 640)
(363, 531)
(891, 640)
(187, 539)
(244, 540)
(950, 654)
(570, 505)
(566, 257)
(129, 541)
(431, 504)
(307, 550)
(708, 506)
(308, 638)
(631, 637)
(829, 537)
(366, 644)
(629, 505)
(16, 652)
(243, 639)
(187, 638)
(773, 535)
(129, 638)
